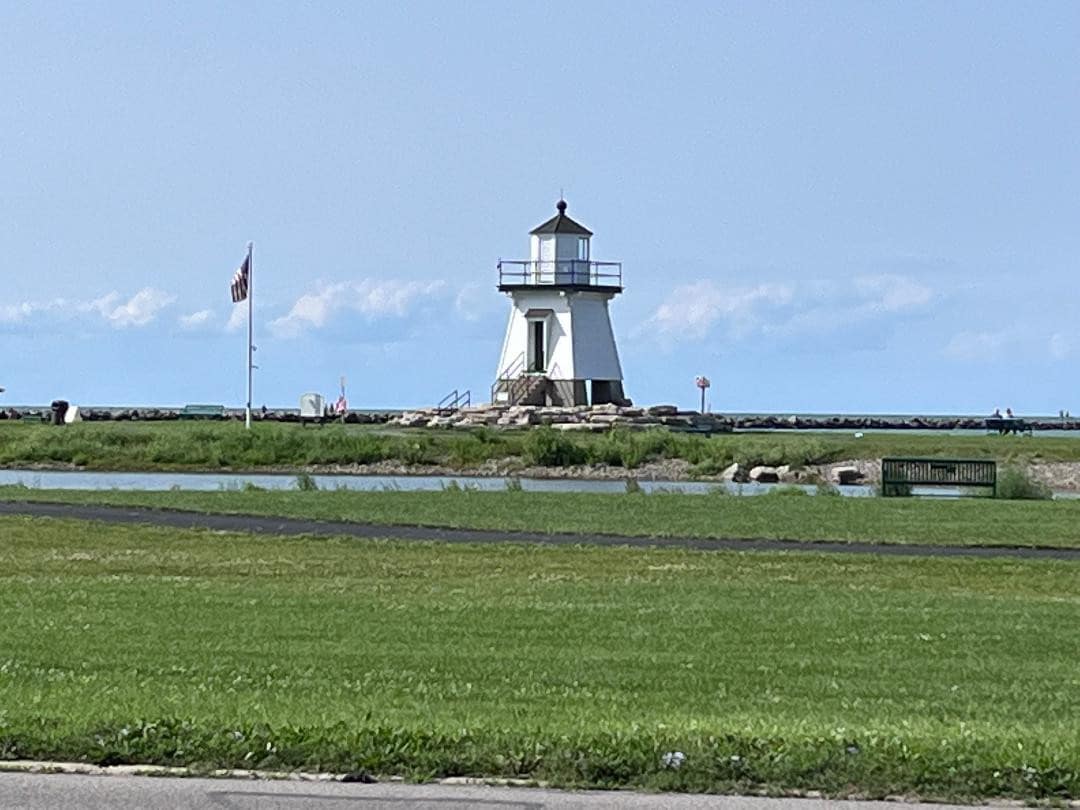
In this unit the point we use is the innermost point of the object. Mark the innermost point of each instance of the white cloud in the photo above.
(17, 313)
(792, 308)
(893, 293)
(196, 320)
(692, 310)
(1061, 346)
(138, 310)
(370, 298)
(473, 301)
(237, 318)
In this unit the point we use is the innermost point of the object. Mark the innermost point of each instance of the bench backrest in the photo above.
(1000, 422)
(939, 472)
(203, 410)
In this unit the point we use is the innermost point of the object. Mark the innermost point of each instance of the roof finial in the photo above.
(561, 204)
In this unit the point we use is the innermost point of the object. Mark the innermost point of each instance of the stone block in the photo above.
(734, 472)
(764, 475)
(846, 475)
(662, 410)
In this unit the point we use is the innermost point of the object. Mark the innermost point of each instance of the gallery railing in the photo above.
(575, 272)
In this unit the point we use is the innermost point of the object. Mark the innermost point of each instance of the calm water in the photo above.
(215, 482)
(36, 479)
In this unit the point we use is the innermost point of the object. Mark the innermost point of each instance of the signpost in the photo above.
(703, 383)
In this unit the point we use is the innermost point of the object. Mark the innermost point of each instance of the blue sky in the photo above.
(823, 207)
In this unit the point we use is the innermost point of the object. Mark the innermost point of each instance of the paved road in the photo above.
(22, 791)
(296, 526)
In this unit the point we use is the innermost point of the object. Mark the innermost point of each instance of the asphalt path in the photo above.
(25, 791)
(177, 519)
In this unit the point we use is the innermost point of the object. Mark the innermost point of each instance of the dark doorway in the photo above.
(538, 360)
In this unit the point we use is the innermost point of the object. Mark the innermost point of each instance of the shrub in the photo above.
(826, 489)
(306, 483)
(547, 447)
(1015, 484)
(633, 487)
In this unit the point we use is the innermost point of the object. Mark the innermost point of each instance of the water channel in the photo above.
(159, 481)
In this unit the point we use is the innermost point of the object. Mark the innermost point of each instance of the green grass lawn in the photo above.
(942, 678)
(226, 445)
(973, 521)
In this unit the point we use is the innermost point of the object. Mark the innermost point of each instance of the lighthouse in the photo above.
(559, 347)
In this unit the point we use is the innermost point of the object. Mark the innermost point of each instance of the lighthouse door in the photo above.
(537, 347)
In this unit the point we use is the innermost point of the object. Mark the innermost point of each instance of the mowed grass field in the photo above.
(969, 522)
(949, 678)
(226, 445)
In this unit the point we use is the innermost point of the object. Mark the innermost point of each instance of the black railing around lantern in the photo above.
(560, 272)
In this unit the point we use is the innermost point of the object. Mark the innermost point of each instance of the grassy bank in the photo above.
(942, 678)
(211, 446)
(887, 520)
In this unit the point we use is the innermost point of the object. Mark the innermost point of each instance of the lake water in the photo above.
(212, 482)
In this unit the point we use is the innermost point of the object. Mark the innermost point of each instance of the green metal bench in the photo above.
(202, 412)
(32, 418)
(898, 475)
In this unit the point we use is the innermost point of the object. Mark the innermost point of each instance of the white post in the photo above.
(251, 333)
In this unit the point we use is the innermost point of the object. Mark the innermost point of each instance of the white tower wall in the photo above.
(553, 309)
(595, 355)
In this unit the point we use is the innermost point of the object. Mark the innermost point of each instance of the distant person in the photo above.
(341, 406)
(1008, 413)
(997, 413)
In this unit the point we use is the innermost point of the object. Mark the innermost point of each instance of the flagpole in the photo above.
(251, 333)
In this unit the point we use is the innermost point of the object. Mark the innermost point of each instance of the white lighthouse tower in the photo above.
(559, 347)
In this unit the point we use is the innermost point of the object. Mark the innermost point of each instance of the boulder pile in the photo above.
(583, 418)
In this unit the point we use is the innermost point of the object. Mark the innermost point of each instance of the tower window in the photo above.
(583, 249)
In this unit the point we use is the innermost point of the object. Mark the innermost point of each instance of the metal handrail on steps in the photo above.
(454, 401)
(509, 375)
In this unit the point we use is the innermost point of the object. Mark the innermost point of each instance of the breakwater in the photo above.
(575, 418)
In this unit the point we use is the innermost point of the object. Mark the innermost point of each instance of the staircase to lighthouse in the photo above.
(559, 347)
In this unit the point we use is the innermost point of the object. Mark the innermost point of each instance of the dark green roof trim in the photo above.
(561, 223)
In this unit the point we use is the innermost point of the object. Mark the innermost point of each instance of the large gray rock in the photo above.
(662, 410)
(733, 473)
(764, 475)
(792, 475)
(847, 475)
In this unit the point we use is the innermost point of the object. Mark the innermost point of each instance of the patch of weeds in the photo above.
(306, 483)
(1015, 484)
(893, 490)
(547, 447)
(513, 484)
(633, 487)
(786, 491)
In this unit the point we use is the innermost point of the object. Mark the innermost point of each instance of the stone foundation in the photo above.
(570, 417)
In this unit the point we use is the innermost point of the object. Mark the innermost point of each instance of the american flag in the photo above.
(239, 286)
